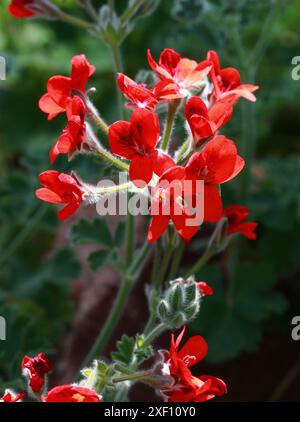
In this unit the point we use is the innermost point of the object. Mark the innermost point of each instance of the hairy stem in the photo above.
(172, 108)
(111, 322)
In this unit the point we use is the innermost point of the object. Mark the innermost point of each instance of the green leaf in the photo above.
(96, 231)
(125, 350)
(98, 259)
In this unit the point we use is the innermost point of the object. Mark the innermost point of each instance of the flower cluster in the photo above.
(187, 387)
(205, 93)
(35, 371)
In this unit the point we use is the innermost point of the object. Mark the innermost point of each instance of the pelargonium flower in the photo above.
(204, 289)
(142, 97)
(60, 188)
(227, 82)
(137, 140)
(61, 88)
(21, 8)
(187, 387)
(167, 204)
(205, 122)
(217, 163)
(71, 394)
(185, 73)
(236, 215)
(11, 397)
(73, 135)
(35, 369)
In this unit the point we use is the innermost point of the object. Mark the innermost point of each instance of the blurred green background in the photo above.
(249, 328)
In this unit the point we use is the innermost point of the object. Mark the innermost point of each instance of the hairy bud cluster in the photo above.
(181, 303)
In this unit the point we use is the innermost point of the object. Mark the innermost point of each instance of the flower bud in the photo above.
(113, 31)
(180, 304)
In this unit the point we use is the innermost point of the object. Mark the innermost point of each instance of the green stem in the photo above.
(112, 189)
(111, 322)
(176, 261)
(130, 241)
(287, 380)
(26, 231)
(164, 266)
(172, 108)
(94, 115)
(200, 263)
(108, 156)
(156, 332)
(91, 10)
(248, 146)
(182, 150)
(127, 15)
(73, 20)
(116, 54)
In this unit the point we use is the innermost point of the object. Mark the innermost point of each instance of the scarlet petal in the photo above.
(120, 139)
(196, 347)
(81, 71)
(47, 195)
(48, 105)
(212, 204)
(204, 288)
(161, 162)
(19, 11)
(68, 210)
(145, 128)
(157, 227)
(141, 169)
(59, 89)
(220, 155)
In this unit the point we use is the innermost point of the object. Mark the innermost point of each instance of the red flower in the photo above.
(35, 370)
(185, 73)
(142, 97)
(204, 122)
(188, 388)
(61, 88)
(167, 205)
(19, 8)
(236, 214)
(137, 141)
(217, 163)
(11, 397)
(205, 289)
(71, 394)
(227, 82)
(74, 133)
(60, 188)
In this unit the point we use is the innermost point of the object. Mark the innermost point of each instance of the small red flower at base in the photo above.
(204, 122)
(188, 388)
(11, 397)
(61, 88)
(35, 370)
(227, 82)
(19, 8)
(185, 73)
(137, 141)
(73, 135)
(236, 214)
(205, 289)
(71, 394)
(217, 163)
(60, 188)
